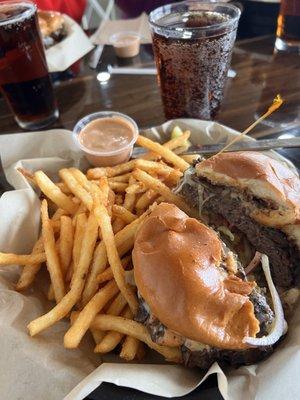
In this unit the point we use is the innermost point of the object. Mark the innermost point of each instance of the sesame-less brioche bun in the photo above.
(178, 273)
(263, 177)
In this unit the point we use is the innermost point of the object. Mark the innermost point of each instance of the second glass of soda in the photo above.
(192, 43)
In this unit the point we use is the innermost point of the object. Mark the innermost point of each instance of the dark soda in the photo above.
(24, 77)
(192, 70)
(288, 26)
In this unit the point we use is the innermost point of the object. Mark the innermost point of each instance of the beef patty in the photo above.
(207, 355)
(234, 207)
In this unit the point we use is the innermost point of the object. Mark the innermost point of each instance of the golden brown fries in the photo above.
(12, 259)
(89, 222)
(123, 213)
(136, 330)
(96, 173)
(161, 188)
(66, 239)
(171, 145)
(77, 284)
(94, 306)
(104, 222)
(164, 152)
(75, 187)
(53, 263)
(53, 192)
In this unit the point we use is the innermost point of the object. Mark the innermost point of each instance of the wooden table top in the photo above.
(260, 76)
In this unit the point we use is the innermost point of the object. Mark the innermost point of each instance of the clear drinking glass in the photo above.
(24, 77)
(192, 43)
(288, 26)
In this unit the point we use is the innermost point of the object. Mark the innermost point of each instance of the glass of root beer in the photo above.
(192, 43)
(24, 79)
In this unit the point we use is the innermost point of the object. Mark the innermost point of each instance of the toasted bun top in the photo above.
(177, 271)
(262, 176)
(50, 22)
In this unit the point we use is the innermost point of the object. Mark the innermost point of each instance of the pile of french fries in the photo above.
(88, 226)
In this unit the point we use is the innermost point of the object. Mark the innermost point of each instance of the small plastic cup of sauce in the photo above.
(107, 137)
(126, 44)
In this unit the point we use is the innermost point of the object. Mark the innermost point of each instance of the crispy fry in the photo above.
(23, 259)
(119, 199)
(70, 299)
(162, 189)
(107, 275)
(96, 173)
(53, 262)
(153, 167)
(164, 152)
(104, 223)
(74, 335)
(118, 187)
(124, 214)
(135, 188)
(63, 187)
(76, 188)
(81, 222)
(54, 193)
(124, 241)
(112, 338)
(190, 158)
(171, 145)
(66, 239)
(136, 330)
(130, 348)
(30, 270)
(121, 178)
(146, 199)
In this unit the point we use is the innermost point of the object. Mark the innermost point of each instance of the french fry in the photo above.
(53, 262)
(164, 152)
(52, 191)
(81, 222)
(124, 214)
(135, 188)
(66, 239)
(74, 335)
(120, 178)
(63, 187)
(107, 275)
(118, 187)
(76, 188)
(145, 200)
(190, 158)
(71, 298)
(124, 241)
(22, 259)
(130, 348)
(96, 173)
(153, 167)
(104, 223)
(162, 189)
(136, 330)
(30, 270)
(171, 145)
(112, 338)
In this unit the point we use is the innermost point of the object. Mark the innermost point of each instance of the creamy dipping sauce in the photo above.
(106, 140)
(126, 44)
(107, 134)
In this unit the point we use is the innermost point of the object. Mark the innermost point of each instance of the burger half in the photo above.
(52, 26)
(193, 293)
(255, 201)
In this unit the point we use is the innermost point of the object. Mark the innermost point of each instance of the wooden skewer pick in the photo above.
(277, 102)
